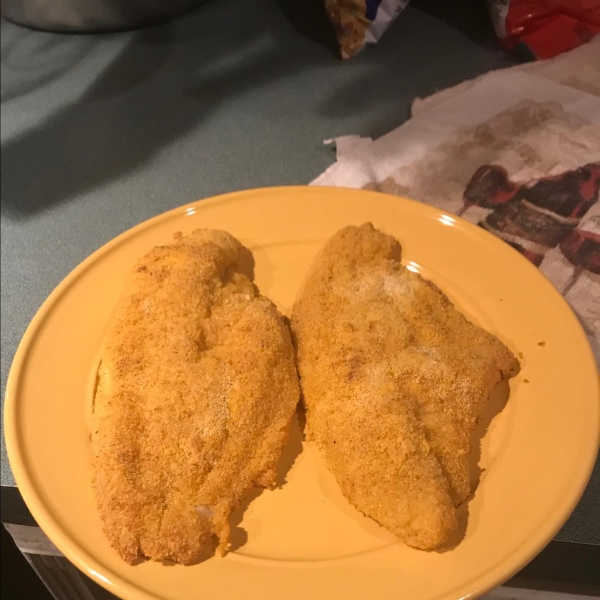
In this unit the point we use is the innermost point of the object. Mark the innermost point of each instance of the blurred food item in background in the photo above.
(361, 22)
(545, 28)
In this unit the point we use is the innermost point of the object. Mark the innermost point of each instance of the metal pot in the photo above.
(92, 15)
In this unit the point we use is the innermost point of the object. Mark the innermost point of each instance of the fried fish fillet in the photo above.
(195, 395)
(394, 379)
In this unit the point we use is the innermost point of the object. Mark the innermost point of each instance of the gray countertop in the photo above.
(102, 132)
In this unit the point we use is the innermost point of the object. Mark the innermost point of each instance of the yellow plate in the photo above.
(304, 540)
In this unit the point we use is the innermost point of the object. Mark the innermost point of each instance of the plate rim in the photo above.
(117, 584)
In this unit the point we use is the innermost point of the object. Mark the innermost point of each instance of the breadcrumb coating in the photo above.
(394, 380)
(196, 391)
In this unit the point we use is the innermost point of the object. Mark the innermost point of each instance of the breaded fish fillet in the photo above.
(196, 391)
(394, 379)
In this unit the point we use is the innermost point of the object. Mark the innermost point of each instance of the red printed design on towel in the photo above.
(541, 214)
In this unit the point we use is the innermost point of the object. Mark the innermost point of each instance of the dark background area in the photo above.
(18, 579)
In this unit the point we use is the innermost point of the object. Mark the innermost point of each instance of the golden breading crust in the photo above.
(196, 391)
(394, 379)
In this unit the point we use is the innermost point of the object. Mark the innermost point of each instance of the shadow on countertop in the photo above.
(169, 79)
(470, 17)
(20, 52)
(309, 18)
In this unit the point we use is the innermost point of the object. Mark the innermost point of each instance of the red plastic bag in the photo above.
(545, 28)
